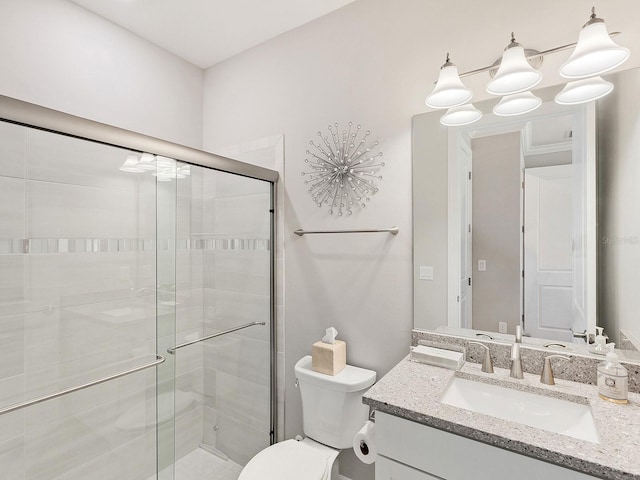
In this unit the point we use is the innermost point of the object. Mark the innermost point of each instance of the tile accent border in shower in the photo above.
(24, 246)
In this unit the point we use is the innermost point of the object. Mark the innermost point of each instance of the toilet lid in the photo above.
(288, 460)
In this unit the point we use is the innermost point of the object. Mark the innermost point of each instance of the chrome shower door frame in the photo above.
(35, 116)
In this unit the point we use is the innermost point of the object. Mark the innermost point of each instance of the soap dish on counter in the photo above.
(438, 357)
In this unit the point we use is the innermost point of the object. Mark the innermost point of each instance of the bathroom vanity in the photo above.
(420, 437)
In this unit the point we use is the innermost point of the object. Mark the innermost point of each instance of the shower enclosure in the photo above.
(136, 304)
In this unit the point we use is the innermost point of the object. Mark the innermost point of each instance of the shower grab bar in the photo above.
(393, 231)
(17, 406)
(173, 349)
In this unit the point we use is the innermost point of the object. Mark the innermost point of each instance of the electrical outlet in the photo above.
(502, 327)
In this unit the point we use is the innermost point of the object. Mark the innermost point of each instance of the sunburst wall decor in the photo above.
(343, 170)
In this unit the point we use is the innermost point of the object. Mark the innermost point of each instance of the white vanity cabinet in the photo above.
(411, 451)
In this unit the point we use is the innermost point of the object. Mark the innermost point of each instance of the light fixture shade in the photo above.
(147, 162)
(515, 74)
(582, 91)
(461, 115)
(131, 164)
(449, 90)
(517, 104)
(595, 52)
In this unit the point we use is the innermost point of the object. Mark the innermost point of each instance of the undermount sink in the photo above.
(539, 411)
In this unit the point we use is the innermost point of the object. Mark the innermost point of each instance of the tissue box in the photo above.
(329, 358)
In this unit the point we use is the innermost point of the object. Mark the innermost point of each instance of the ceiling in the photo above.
(205, 32)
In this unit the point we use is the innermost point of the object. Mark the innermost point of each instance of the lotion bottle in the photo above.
(613, 378)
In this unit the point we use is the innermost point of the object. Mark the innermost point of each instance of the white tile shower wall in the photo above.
(239, 440)
(12, 285)
(12, 458)
(12, 150)
(225, 310)
(69, 317)
(239, 355)
(12, 208)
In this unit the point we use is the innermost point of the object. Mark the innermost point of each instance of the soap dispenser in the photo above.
(613, 378)
(601, 342)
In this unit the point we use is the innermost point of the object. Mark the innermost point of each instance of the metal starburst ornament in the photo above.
(343, 170)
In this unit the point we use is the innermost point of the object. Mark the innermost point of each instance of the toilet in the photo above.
(332, 413)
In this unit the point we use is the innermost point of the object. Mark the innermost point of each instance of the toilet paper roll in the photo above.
(364, 443)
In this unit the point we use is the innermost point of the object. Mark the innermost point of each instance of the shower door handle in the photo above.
(17, 406)
(173, 349)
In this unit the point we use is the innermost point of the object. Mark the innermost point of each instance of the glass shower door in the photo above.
(77, 309)
(223, 282)
(109, 259)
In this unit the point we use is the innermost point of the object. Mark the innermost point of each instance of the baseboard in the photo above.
(342, 477)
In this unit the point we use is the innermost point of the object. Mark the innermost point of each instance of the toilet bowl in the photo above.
(333, 412)
(292, 460)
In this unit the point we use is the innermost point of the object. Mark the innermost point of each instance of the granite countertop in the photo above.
(412, 391)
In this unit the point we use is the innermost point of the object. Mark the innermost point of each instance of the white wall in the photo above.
(371, 62)
(56, 54)
(496, 224)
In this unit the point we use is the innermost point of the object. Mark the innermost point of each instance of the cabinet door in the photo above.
(452, 457)
(387, 469)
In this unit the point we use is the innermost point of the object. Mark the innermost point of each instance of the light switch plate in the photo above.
(426, 272)
(482, 265)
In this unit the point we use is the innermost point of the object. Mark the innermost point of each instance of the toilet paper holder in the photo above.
(364, 448)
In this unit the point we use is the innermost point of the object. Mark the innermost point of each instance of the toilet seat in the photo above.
(291, 460)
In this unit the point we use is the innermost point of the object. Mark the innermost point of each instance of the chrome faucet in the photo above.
(516, 361)
(547, 373)
(487, 364)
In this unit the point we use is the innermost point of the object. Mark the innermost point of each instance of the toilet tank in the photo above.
(332, 408)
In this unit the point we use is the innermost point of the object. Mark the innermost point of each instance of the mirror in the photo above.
(572, 267)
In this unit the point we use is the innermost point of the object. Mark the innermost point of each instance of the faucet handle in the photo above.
(487, 364)
(547, 373)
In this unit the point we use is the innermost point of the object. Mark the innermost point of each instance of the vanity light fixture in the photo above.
(449, 90)
(461, 115)
(582, 91)
(515, 73)
(595, 52)
(517, 104)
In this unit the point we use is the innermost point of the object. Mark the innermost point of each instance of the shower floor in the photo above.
(202, 465)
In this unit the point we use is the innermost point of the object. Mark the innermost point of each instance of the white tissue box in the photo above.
(438, 357)
(329, 358)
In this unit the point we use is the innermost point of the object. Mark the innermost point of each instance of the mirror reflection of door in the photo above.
(548, 242)
(523, 225)
(466, 259)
